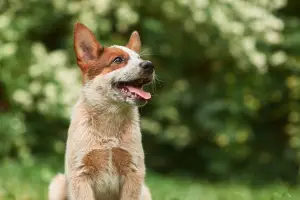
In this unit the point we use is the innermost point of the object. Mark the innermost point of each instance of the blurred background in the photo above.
(224, 120)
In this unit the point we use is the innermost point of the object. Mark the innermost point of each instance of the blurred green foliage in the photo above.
(227, 102)
(19, 182)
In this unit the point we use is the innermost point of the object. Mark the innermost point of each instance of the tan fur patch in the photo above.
(95, 161)
(122, 160)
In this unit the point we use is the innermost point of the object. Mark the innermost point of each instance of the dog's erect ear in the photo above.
(85, 45)
(134, 42)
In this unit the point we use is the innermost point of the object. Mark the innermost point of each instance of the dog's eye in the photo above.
(118, 60)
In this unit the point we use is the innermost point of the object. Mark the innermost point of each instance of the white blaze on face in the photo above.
(130, 71)
(133, 68)
(134, 58)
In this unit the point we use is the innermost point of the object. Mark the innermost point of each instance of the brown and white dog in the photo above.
(104, 157)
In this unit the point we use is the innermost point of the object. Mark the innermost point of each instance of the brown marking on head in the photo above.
(122, 160)
(105, 63)
(95, 161)
(134, 42)
(92, 58)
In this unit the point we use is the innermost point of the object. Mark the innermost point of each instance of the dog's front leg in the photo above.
(80, 189)
(132, 186)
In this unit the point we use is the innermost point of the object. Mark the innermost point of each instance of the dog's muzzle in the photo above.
(147, 67)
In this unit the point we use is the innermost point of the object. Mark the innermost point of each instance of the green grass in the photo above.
(30, 183)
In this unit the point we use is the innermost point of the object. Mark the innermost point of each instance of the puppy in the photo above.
(104, 157)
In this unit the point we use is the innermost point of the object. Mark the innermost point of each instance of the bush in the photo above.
(227, 98)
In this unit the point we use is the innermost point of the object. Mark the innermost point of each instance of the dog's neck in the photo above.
(108, 119)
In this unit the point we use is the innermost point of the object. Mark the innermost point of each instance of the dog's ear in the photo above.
(134, 42)
(86, 46)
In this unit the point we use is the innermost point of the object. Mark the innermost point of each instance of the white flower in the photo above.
(218, 15)
(57, 58)
(42, 107)
(22, 97)
(4, 21)
(35, 87)
(184, 2)
(259, 60)
(274, 23)
(257, 26)
(39, 51)
(237, 28)
(7, 49)
(278, 58)
(273, 37)
(74, 7)
(59, 4)
(50, 91)
(126, 14)
(279, 3)
(249, 43)
(88, 18)
(201, 4)
(36, 70)
(101, 6)
(199, 17)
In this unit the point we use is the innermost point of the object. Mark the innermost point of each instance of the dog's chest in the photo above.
(107, 186)
(107, 167)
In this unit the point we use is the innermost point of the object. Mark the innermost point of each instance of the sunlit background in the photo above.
(224, 120)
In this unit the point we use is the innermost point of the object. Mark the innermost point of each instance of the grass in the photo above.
(19, 182)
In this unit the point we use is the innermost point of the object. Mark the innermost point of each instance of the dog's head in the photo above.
(115, 74)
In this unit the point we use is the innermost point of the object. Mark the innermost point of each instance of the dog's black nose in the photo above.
(147, 66)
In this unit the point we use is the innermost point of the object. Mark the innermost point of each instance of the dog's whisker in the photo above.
(157, 80)
(146, 52)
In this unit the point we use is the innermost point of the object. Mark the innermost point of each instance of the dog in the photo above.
(104, 157)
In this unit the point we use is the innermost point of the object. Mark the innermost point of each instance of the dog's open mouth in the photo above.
(134, 89)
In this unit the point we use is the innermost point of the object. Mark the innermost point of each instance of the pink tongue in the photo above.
(139, 91)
